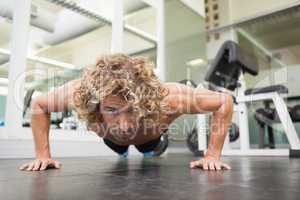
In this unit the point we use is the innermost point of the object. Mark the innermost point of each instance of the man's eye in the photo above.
(111, 110)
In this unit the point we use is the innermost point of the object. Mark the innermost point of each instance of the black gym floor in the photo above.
(166, 178)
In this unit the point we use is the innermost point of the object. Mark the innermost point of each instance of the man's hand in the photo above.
(40, 164)
(209, 163)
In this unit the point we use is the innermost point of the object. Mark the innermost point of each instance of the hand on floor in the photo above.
(209, 163)
(40, 164)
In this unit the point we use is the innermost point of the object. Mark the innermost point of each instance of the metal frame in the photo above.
(241, 109)
(17, 65)
(43, 60)
(100, 19)
(280, 107)
(161, 40)
(118, 35)
(117, 32)
(40, 18)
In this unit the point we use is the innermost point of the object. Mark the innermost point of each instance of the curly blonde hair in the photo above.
(133, 79)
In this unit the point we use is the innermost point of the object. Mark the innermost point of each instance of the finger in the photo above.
(225, 166)
(44, 165)
(57, 165)
(198, 164)
(205, 166)
(212, 166)
(194, 164)
(51, 164)
(218, 166)
(24, 166)
(37, 165)
(30, 167)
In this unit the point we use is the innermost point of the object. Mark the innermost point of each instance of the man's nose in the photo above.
(125, 125)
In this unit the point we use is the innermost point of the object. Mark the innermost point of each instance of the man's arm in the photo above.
(194, 101)
(60, 99)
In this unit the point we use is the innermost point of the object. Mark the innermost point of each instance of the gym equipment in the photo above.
(188, 82)
(234, 132)
(226, 74)
(162, 146)
(295, 113)
(27, 102)
(266, 117)
(193, 144)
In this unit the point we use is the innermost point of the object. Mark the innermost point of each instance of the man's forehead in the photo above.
(114, 100)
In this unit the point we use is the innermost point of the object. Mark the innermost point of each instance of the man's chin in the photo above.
(122, 138)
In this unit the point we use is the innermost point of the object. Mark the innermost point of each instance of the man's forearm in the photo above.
(221, 120)
(40, 123)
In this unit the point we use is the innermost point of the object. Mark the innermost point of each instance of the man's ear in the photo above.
(93, 106)
(99, 113)
(98, 107)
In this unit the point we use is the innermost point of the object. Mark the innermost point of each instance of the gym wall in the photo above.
(185, 41)
(240, 9)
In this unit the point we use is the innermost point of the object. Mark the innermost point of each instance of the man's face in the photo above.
(119, 118)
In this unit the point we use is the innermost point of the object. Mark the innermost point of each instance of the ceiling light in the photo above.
(3, 91)
(3, 81)
(196, 62)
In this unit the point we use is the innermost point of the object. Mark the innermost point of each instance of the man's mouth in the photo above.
(127, 136)
(121, 137)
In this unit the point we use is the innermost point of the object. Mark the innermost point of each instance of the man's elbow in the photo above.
(227, 105)
(37, 106)
(229, 102)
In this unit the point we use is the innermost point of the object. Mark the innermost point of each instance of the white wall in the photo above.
(246, 8)
(186, 40)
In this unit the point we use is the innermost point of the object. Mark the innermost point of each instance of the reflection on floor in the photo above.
(155, 178)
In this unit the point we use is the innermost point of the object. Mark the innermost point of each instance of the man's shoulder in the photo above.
(175, 88)
(177, 93)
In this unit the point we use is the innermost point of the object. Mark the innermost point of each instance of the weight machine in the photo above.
(226, 74)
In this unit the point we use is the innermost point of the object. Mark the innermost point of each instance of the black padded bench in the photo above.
(281, 89)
